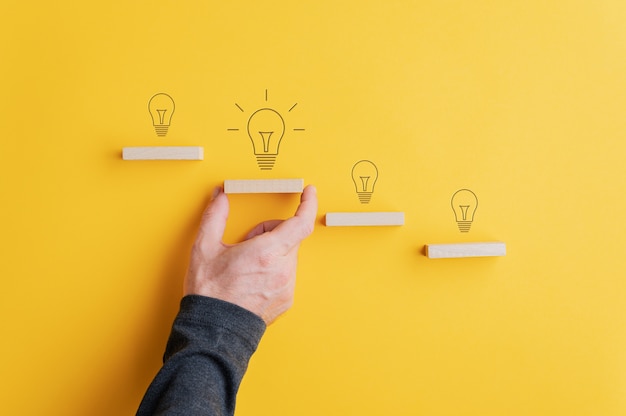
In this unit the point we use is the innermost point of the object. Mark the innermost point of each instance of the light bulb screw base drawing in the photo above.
(364, 197)
(266, 162)
(464, 226)
(161, 131)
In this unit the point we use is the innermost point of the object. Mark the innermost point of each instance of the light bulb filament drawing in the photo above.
(161, 115)
(364, 180)
(464, 203)
(266, 130)
(364, 176)
(266, 136)
(161, 108)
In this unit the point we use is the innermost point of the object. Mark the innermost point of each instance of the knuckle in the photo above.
(266, 259)
(307, 228)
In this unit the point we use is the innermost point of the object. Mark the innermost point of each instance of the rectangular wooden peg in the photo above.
(446, 251)
(348, 219)
(163, 153)
(263, 186)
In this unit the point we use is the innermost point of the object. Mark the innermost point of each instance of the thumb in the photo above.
(214, 219)
(295, 229)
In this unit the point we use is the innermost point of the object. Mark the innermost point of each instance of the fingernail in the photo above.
(216, 192)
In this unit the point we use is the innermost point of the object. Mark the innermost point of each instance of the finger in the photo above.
(262, 228)
(295, 229)
(214, 219)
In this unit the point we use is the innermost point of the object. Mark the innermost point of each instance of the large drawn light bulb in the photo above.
(161, 107)
(266, 128)
(464, 203)
(364, 176)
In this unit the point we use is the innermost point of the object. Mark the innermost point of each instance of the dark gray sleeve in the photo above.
(205, 359)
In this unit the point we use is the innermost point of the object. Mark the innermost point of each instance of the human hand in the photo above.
(257, 274)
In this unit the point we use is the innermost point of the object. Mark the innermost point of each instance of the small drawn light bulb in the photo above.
(464, 203)
(161, 107)
(364, 176)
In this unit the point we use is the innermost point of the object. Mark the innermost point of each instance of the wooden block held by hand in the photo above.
(263, 186)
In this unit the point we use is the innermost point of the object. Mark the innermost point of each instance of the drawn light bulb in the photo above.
(364, 176)
(266, 128)
(464, 204)
(161, 107)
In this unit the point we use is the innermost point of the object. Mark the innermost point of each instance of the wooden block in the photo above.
(347, 219)
(263, 186)
(163, 153)
(446, 251)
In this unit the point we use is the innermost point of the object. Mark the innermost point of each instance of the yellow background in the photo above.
(522, 102)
